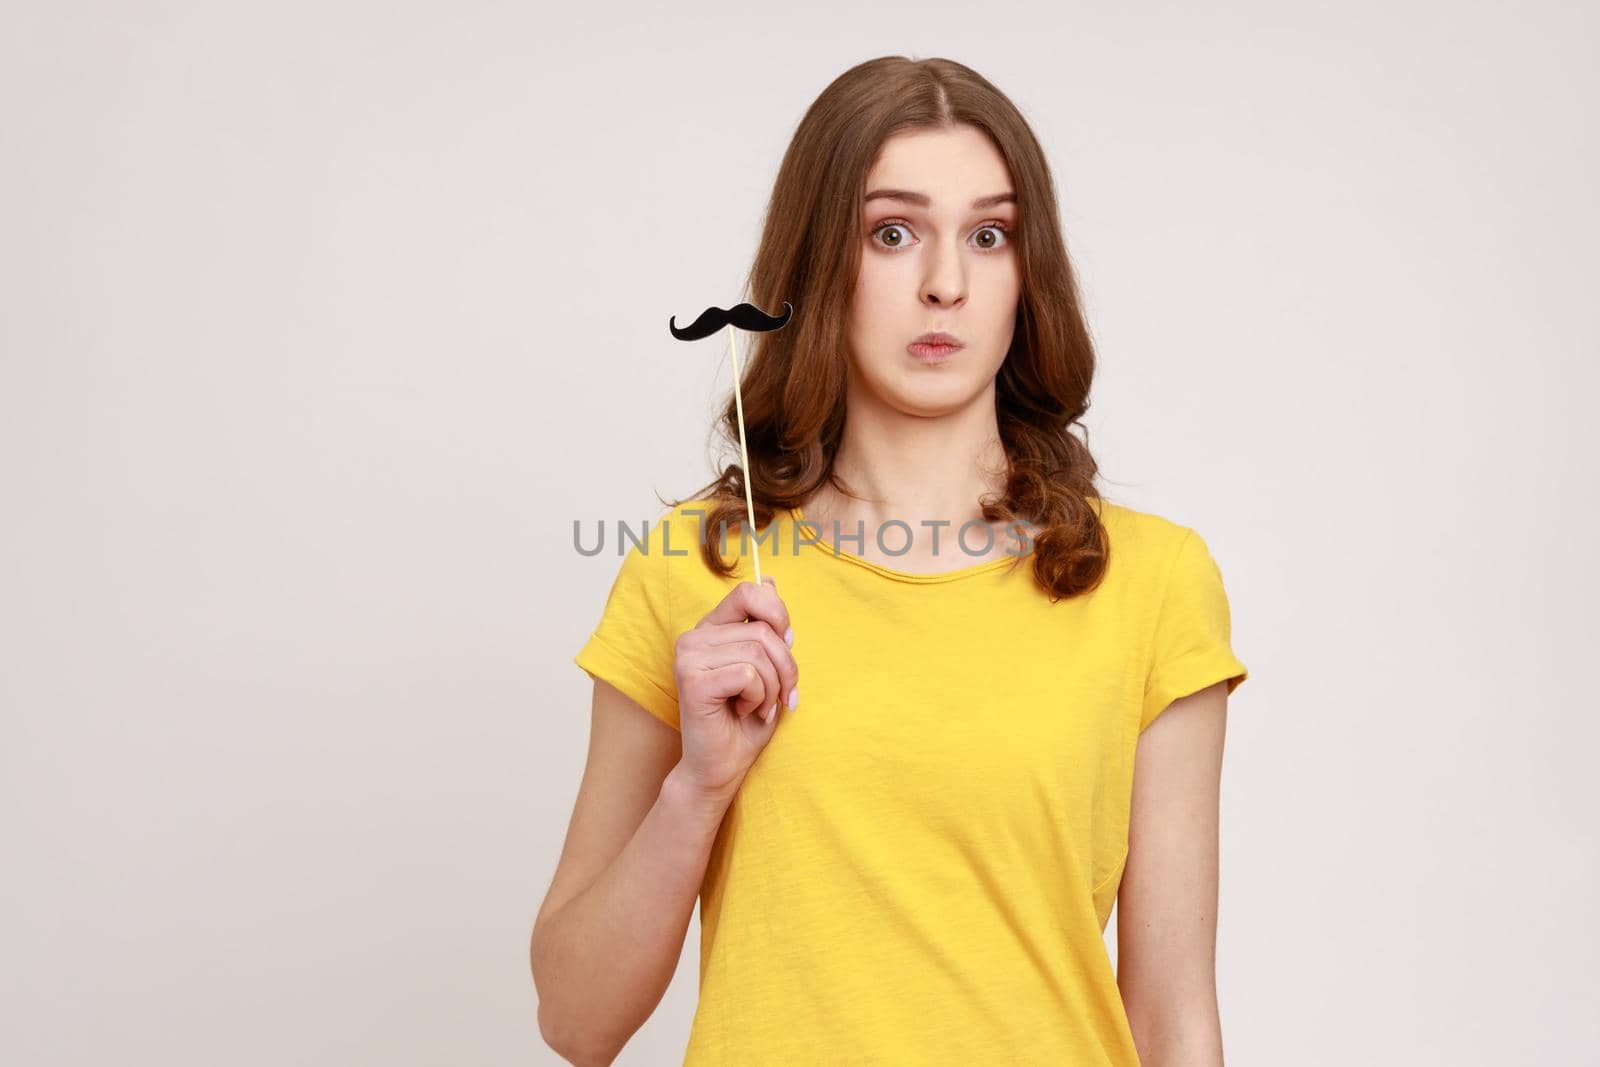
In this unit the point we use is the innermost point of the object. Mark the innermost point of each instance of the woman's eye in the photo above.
(894, 228)
(895, 235)
(995, 241)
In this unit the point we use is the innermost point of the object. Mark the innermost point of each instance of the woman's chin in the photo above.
(929, 395)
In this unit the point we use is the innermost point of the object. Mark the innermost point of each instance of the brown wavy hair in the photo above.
(793, 381)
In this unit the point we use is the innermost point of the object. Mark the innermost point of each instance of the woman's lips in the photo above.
(931, 353)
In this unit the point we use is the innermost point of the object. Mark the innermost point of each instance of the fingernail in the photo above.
(794, 697)
(766, 716)
(788, 636)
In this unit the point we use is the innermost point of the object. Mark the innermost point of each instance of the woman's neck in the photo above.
(913, 469)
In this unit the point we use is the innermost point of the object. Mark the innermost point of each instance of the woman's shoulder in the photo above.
(679, 532)
(673, 526)
(1144, 544)
(685, 524)
(1142, 529)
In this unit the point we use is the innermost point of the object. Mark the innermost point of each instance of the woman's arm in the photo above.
(1167, 902)
(608, 937)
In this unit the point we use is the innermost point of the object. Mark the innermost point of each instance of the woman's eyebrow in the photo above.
(921, 199)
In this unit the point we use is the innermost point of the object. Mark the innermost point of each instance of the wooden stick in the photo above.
(744, 456)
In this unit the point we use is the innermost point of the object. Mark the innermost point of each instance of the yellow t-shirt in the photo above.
(920, 865)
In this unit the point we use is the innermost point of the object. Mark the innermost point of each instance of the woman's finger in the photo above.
(740, 682)
(754, 652)
(776, 650)
(747, 600)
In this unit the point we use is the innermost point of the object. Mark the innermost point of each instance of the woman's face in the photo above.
(937, 259)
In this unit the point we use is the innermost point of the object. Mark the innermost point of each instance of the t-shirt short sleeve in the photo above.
(1191, 648)
(632, 646)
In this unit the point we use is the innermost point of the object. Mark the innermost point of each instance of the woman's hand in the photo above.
(734, 662)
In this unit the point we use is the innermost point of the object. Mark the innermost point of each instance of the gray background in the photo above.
(322, 324)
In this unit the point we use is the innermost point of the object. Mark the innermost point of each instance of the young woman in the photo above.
(972, 705)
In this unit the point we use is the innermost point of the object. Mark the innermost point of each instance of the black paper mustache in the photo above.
(745, 316)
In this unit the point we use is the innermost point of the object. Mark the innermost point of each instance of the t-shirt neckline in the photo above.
(798, 516)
